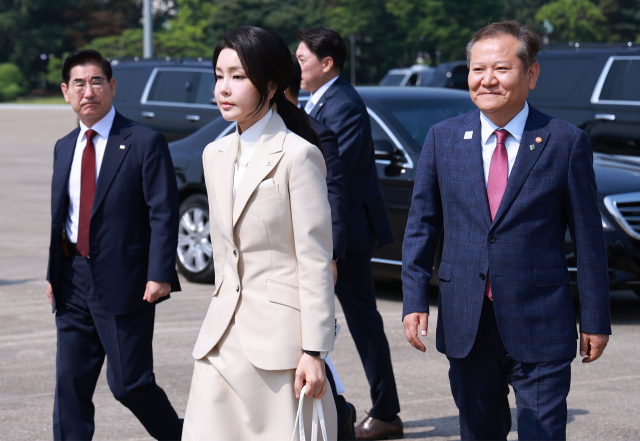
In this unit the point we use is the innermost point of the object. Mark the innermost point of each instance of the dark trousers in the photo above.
(356, 292)
(86, 333)
(480, 385)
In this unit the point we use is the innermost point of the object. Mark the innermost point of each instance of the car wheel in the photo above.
(195, 253)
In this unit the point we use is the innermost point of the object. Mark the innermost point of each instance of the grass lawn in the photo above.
(39, 100)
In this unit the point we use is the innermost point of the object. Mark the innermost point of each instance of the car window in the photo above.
(381, 141)
(392, 79)
(417, 117)
(173, 86)
(206, 87)
(622, 82)
(127, 80)
(559, 76)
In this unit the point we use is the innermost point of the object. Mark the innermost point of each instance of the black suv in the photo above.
(173, 97)
(597, 88)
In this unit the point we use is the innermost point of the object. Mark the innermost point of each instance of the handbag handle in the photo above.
(318, 416)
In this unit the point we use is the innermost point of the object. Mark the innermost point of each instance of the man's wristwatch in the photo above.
(321, 355)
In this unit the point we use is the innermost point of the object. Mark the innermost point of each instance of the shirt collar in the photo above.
(315, 97)
(515, 127)
(253, 133)
(102, 127)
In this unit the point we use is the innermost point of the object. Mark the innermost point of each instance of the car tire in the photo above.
(194, 255)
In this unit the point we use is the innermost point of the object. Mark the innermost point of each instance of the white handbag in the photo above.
(318, 416)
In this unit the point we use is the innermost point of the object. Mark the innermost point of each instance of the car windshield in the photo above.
(392, 79)
(417, 117)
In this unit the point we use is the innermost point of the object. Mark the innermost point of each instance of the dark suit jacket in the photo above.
(551, 186)
(343, 111)
(335, 184)
(134, 220)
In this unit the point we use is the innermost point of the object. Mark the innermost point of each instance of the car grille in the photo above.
(625, 209)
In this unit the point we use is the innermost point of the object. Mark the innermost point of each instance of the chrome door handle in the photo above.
(605, 116)
(193, 117)
(148, 114)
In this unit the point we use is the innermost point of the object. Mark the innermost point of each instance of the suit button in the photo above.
(492, 239)
(237, 288)
(482, 276)
(235, 253)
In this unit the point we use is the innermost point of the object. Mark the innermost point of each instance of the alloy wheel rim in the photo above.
(194, 240)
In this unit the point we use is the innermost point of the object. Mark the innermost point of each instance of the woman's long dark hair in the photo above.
(266, 58)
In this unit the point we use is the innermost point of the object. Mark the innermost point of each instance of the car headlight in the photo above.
(606, 224)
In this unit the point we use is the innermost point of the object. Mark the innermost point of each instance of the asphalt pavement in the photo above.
(604, 402)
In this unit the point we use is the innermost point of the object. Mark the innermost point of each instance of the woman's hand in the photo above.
(311, 371)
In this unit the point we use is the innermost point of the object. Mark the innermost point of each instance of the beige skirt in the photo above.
(231, 399)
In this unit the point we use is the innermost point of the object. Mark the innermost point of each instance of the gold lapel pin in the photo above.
(122, 147)
(538, 140)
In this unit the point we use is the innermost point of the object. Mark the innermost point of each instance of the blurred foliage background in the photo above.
(36, 35)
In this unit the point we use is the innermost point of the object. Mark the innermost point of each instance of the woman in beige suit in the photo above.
(271, 317)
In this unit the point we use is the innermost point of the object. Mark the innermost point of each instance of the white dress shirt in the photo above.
(102, 129)
(249, 140)
(515, 127)
(315, 96)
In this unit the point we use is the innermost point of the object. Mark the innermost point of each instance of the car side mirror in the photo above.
(386, 151)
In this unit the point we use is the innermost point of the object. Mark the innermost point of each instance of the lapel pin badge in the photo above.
(122, 147)
(538, 140)
(269, 162)
(468, 135)
(531, 147)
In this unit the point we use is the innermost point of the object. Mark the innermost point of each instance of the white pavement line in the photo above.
(35, 107)
(606, 380)
(37, 396)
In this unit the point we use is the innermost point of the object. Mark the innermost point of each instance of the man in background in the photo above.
(114, 233)
(335, 103)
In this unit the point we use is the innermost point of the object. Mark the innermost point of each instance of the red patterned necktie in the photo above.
(497, 183)
(87, 190)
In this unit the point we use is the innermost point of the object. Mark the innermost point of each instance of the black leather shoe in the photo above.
(372, 428)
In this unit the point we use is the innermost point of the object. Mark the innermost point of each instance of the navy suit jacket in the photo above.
(134, 219)
(551, 187)
(335, 184)
(343, 111)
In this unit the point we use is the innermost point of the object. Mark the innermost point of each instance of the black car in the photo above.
(400, 120)
(172, 96)
(597, 88)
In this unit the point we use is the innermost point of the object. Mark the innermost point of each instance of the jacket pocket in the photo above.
(552, 277)
(267, 192)
(283, 294)
(444, 272)
(217, 288)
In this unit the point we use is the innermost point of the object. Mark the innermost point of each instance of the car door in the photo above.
(395, 170)
(178, 101)
(615, 128)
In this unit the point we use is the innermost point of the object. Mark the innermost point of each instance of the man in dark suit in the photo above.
(336, 104)
(337, 192)
(505, 182)
(114, 229)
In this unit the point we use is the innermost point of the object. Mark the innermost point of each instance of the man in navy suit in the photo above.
(505, 182)
(114, 229)
(336, 104)
(337, 193)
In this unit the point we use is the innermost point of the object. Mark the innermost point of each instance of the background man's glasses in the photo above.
(96, 86)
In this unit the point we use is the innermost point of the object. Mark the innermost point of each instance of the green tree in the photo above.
(438, 25)
(12, 82)
(574, 20)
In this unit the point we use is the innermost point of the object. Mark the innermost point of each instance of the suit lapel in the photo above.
(113, 156)
(63, 163)
(264, 160)
(323, 99)
(525, 159)
(223, 179)
(472, 156)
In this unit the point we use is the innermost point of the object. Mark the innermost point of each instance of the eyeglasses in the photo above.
(96, 86)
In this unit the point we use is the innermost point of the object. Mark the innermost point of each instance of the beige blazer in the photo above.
(272, 249)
